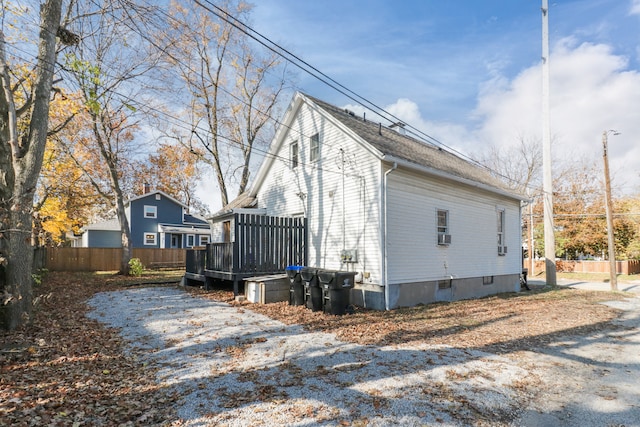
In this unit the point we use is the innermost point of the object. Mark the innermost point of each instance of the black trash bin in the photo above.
(296, 290)
(336, 287)
(312, 289)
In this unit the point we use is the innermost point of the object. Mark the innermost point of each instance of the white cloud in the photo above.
(592, 90)
(635, 7)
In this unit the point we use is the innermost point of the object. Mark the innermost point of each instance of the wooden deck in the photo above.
(263, 245)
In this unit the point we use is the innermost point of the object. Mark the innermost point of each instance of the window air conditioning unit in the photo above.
(444, 239)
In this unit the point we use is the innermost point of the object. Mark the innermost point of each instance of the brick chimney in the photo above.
(146, 188)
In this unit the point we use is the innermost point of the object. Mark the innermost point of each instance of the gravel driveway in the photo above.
(238, 368)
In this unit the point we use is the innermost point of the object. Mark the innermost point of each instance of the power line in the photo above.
(295, 60)
(287, 55)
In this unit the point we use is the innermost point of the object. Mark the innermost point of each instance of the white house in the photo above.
(417, 223)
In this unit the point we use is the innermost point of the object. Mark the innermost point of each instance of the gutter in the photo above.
(384, 232)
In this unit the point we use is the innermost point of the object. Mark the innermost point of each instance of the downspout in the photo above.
(384, 232)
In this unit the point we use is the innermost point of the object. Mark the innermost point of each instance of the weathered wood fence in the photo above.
(107, 259)
(622, 267)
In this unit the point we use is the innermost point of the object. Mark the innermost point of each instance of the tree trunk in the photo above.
(125, 230)
(20, 170)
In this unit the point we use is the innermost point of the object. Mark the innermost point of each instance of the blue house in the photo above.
(156, 220)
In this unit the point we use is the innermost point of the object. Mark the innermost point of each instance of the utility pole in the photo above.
(609, 208)
(547, 193)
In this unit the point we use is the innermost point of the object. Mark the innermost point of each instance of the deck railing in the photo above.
(220, 257)
(262, 245)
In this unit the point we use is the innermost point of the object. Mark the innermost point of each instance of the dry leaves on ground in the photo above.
(499, 324)
(70, 370)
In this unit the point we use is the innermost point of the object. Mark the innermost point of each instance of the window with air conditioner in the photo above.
(444, 236)
(502, 247)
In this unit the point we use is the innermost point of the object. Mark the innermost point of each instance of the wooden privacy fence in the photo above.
(622, 267)
(268, 244)
(108, 259)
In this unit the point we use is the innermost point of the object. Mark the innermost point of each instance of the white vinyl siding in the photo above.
(412, 254)
(316, 190)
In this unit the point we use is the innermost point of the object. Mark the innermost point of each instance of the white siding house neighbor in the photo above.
(416, 223)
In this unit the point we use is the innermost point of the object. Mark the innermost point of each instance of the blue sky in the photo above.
(468, 71)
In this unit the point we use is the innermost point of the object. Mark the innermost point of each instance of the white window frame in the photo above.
(150, 211)
(190, 241)
(294, 154)
(443, 232)
(314, 147)
(501, 217)
(204, 239)
(150, 239)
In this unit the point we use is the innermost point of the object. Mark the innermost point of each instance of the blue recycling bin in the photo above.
(296, 289)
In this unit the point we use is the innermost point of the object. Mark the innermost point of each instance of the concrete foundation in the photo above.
(410, 294)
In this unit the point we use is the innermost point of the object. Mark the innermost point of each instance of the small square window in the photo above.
(204, 240)
(487, 280)
(150, 211)
(314, 144)
(294, 155)
(150, 239)
(444, 284)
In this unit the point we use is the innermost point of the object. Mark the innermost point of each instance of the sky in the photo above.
(468, 72)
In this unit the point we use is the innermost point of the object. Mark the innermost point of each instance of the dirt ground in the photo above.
(67, 367)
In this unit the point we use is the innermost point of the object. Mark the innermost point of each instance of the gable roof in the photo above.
(395, 146)
(153, 193)
(389, 146)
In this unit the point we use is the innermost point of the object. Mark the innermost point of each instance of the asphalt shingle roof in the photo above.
(392, 143)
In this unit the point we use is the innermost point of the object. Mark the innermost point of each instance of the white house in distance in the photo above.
(416, 223)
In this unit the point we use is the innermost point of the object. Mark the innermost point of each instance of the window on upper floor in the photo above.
(502, 244)
(150, 211)
(314, 144)
(293, 152)
(442, 227)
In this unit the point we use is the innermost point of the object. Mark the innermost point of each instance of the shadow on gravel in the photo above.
(232, 364)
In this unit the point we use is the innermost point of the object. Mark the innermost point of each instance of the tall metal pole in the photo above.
(549, 238)
(608, 205)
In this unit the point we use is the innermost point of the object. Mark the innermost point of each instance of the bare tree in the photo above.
(518, 165)
(24, 113)
(233, 88)
(109, 68)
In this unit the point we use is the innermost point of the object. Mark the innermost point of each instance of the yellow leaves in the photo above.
(55, 220)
